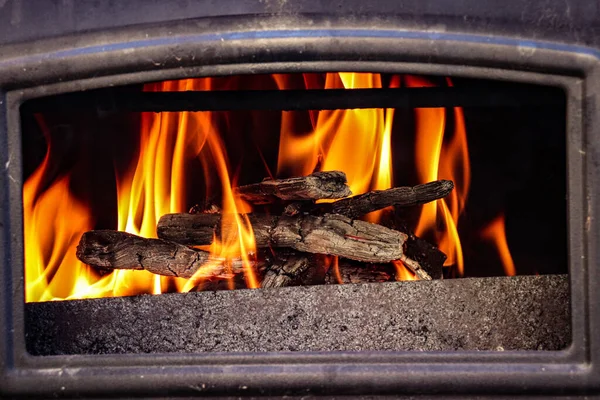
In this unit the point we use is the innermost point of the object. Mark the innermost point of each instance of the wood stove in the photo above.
(525, 98)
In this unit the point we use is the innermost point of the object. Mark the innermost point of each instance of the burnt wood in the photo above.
(404, 196)
(429, 257)
(318, 185)
(107, 249)
(327, 234)
(286, 267)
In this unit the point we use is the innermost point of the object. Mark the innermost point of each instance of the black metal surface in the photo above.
(518, 313)
(550, 43)
(562, 21)
(326, 99)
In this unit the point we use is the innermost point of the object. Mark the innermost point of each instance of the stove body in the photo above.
(71, 46)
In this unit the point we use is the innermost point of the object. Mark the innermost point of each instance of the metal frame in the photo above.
(260, 44)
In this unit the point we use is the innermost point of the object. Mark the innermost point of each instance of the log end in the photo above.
(431, 191)
(96, 248)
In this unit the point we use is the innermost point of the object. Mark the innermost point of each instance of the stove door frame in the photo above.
(238, 44)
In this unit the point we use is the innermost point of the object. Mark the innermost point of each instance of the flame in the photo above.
(358, 142)
(336, 270)
(52, 271)
(403, 273)
(46, 279)
(495, 233)
(154, 185)
(439, 159)
(235, 242)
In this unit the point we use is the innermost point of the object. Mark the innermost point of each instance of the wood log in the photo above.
(318, 185)
(405, 196)
(429, 257)
(108, 249)
(286, 267)
(326, 234)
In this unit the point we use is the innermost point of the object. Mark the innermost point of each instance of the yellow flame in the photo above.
(46, 277)
(495, 233)
(154, 185)
(238, 242)
(437, 159)
(403, 273)
(357, 142)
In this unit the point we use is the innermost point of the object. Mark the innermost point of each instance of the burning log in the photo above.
(329, 234)
(286, 267)
(108, 249)
(407, 196)
(429, 257)
(354, 207)
(318, 185)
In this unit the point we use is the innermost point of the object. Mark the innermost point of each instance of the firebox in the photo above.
(298, 204)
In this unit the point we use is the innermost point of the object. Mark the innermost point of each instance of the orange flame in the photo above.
(336, 270)
(44, 260)
(403, 273)
(154, 186)
(357, 142)
(437, 159)
(495, 233)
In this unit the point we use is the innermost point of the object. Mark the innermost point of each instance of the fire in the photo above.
(440, 159)
(52, 271)
(336, 270)
(357, 142)
(156, 182)
(495, 233)
(47, 279)
(154, 185)
(403, 273)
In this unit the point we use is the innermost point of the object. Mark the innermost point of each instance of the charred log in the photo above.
(327, 234)
(107, 249)
(330, 234)
(357, 206)
(287, 267)
(405, 196)
(318, 185)
(429, 257)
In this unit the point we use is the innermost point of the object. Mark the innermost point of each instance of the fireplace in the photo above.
(483, 263)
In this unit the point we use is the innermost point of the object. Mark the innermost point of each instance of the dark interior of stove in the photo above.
(512, 155)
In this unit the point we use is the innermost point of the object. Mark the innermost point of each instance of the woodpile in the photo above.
(295, 247)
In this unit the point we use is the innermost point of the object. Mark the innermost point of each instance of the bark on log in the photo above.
(407, 196)
(327, 234)
(318, 185)
(107, 249)
(287, 267)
